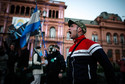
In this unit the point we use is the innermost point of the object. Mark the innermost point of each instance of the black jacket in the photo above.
(82, 65)
(55, 63)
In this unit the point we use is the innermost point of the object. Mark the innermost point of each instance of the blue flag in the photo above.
(31, 26)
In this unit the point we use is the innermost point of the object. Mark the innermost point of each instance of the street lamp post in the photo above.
(44, 16)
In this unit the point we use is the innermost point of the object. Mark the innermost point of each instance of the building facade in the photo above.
(107, 29)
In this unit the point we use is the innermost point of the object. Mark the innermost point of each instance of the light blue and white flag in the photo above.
(31, 26)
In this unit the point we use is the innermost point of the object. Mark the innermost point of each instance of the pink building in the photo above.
(107, 29)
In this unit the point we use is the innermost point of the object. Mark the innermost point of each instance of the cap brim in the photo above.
(70, 22)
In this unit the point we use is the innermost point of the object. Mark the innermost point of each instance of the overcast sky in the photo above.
(90, 9)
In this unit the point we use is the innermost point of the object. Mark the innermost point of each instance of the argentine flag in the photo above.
(31, 26)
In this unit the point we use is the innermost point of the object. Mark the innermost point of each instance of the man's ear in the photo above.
(79, 29)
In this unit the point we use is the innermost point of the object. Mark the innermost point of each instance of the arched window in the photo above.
(12, 9)
(95, 37)
(52, 33)
(68, 36)
(117, 54)
(108, 38)
(109, 54)
(115, 38)
(49, 13)
(57, 14)
(122, 38)
(22, 10)
(27, 11)
(53, 13)
(17, 9)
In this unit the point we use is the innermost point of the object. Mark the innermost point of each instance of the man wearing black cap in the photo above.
(83, 57)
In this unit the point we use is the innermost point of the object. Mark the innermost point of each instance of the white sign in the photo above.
(18, 21)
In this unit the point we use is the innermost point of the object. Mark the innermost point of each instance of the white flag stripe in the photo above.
(34, 18)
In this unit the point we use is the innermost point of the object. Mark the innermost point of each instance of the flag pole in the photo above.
(42, 33)
(44, 15)
(41, 30)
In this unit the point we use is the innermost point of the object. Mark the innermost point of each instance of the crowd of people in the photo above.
(14, 64)
(80, 66)
(15, 68)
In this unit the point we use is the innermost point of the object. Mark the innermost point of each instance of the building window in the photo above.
(108, 37)
(57, 14)
(95, 37)
(52, 33)
(17, 9)
(115, 38)
(122, 38)
(109, 54)
(49, 13)
(27, 11)
(117, 54)
(12, 9)
(53, 13)
(22, 10)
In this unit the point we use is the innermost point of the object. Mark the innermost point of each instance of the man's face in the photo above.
(12, 47)
(38, 50)
(73, 31)
(56, 48)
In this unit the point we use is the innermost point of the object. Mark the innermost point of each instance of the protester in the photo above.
(122, 69)
(56, 65)
(23, 65)
(37, 65)
(82, 60)
(3, 65)
(11, 63)
(12, 57)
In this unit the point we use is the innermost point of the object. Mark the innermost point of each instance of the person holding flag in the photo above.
(37, 65)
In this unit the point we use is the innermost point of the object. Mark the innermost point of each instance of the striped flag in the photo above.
(31, 26)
